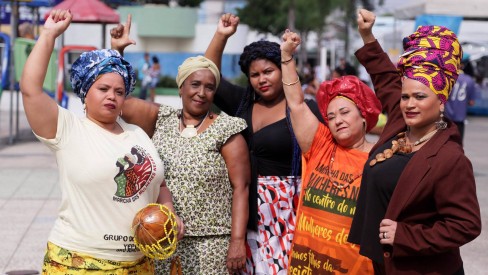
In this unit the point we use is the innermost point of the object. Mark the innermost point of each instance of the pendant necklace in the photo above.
(189, 130)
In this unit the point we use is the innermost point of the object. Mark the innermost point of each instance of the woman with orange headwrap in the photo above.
(335, 155)
(417, 203)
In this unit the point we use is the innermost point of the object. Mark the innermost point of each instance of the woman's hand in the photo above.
(290, 41)
(365, 25)
(387, 231)
(180, 227)
(57, 22)
(236, 256)
(120, 36)
(227, 25)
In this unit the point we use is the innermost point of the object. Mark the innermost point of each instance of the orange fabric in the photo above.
(325, 212)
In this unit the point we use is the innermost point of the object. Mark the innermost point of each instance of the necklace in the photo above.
(189, 130)
(400, 145)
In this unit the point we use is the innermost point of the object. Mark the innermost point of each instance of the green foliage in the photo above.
(189, 3)
(167, 81)
(270, 16)
(265, 16)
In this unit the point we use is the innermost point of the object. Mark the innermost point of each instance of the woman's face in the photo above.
(197, 92)
(420, 106)
(105, 98)
(345, 122)
(265, 79)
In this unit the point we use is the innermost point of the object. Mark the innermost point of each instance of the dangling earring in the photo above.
(210, 115)
(84, 108)
(441, 124)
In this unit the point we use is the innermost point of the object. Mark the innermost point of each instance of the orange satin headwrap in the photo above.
(355, 90)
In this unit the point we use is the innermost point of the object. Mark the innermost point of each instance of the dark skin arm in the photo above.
(236, 158)
(226, 28)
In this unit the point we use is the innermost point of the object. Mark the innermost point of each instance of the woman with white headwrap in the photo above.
(206, 168)
(108, 169)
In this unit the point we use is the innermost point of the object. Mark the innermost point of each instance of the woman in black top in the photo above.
(274, 152)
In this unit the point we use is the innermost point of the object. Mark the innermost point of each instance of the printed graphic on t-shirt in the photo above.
(136, 170)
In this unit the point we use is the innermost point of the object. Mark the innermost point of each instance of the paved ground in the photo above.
(30, 196)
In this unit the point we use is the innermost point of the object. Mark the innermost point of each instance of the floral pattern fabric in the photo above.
(197, 176)
(61, 261)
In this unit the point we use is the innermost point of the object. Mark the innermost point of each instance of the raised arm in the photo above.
(226, 28)
(120, 36)
(386, 79)
(40, 109)
(304, 122)
(135, 111)
(236, 158)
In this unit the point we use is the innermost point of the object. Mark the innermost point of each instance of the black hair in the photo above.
(260, 50)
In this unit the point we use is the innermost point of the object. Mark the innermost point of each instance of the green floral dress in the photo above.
(197, 177)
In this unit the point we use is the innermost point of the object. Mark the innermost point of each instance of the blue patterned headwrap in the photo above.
(90, 65)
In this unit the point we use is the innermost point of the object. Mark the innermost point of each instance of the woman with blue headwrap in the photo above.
(108, 169)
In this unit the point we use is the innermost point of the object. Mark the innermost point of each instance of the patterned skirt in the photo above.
(269, 247)
(199, 256)
(62, 261)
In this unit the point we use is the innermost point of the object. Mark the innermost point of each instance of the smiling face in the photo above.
(420, 106)
(105, 98)
(345, 122)
(197, 92)
(265, 79)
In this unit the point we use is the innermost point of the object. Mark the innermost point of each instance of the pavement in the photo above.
(30, 195)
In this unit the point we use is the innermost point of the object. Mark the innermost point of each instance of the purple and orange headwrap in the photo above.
(433, 57)
(354, 89)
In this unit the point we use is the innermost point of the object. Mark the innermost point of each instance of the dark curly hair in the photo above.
(260, 50)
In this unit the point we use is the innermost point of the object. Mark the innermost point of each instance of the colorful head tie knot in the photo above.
(193, 64)
(90, 65)
(155, 231)
(355, 90)
(433, 57)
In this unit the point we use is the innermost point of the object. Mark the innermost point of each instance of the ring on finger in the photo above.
(384, 235)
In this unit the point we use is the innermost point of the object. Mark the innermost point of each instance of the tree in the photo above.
(303, 16)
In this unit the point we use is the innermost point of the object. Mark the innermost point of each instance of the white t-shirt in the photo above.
(105, 179)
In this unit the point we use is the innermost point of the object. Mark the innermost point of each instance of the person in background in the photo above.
(463, 94)
(310, 87)
(206, 168)
(346, 67)
(417, 204)
(108, 169)
(274, 151)
(155, 73)
(337, 73)
(335, 154)
(145, 76)
(26, 30)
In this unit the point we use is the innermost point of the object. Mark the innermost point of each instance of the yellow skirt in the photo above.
(61, 261)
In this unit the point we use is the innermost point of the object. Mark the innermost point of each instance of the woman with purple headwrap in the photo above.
(417, 204)
(108, 169)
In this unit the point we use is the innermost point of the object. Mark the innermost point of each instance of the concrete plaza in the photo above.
(30, 195)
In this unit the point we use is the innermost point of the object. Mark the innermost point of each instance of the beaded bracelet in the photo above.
(291, 83)
(287, 61)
